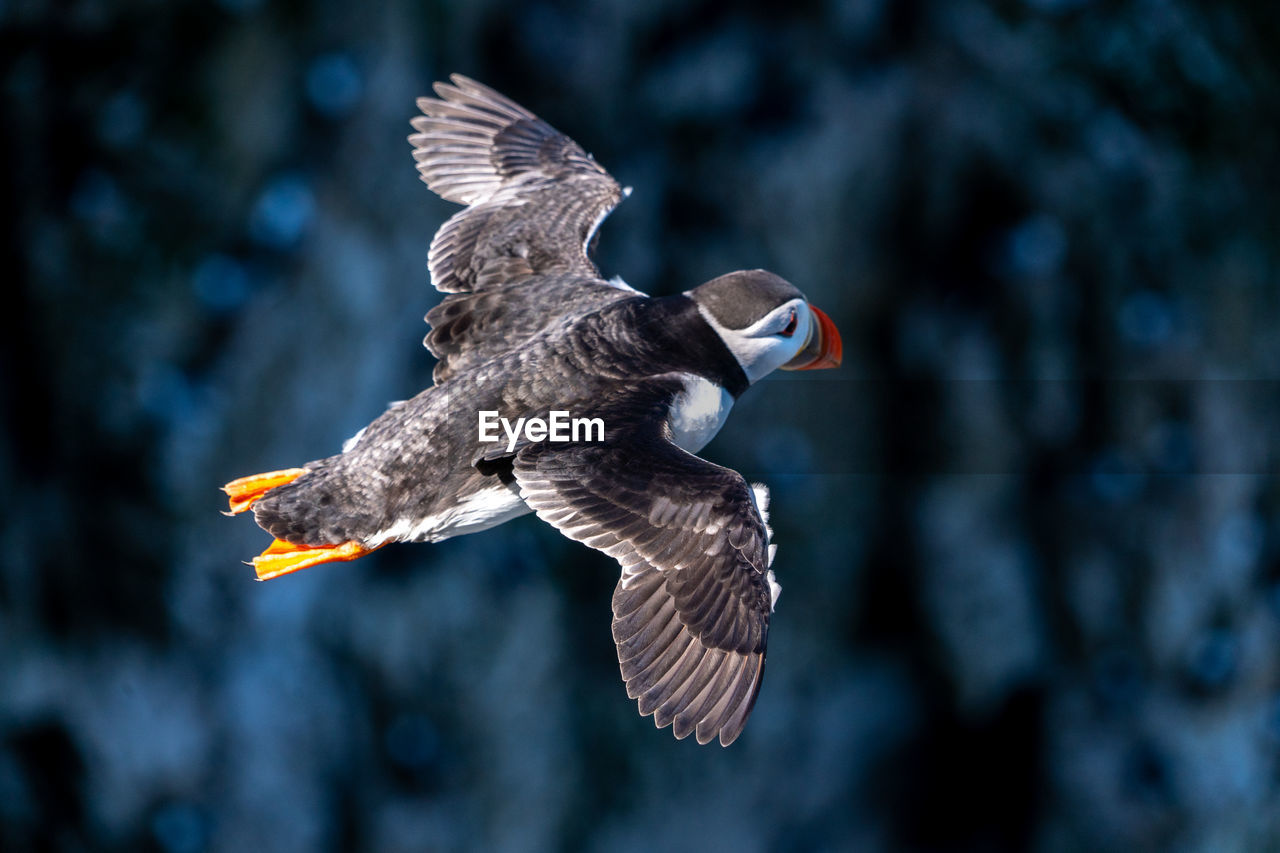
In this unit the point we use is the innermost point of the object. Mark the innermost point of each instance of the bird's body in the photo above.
(374, 490)
(530, 329)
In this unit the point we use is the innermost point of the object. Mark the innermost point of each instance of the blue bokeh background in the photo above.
(1028, 534)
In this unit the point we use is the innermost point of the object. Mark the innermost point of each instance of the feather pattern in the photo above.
(691, 610)
(527, 326)
(534, 198)
(515, 260)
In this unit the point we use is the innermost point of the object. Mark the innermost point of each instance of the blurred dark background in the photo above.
(1028, 534)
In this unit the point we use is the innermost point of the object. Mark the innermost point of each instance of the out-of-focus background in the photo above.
(1028, 533)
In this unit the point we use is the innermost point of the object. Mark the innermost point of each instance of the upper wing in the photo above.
(534, 197)
(691, 611)
(515, 260)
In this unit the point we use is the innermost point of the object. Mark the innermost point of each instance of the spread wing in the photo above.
(468, 329)
(691, 611)
(534, 201)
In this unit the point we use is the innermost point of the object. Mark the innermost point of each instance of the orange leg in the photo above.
(245, 491)
(282, 557)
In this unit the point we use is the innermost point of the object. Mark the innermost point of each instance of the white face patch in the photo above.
(698, 412)
(759, 348)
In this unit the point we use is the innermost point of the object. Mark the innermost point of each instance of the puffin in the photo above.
(530, 334)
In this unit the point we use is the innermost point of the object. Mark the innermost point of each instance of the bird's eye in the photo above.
(791, 325)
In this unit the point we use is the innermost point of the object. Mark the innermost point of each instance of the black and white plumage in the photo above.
(528, 327)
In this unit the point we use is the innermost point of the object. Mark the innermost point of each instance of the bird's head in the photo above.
(767, 323)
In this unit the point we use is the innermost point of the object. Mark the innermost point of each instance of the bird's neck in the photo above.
(674, 335)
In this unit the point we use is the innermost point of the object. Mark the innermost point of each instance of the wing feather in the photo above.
(692, 607)
(515, 260)
(700, 706)
(528, 188)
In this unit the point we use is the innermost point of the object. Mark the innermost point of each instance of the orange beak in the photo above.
(823, 348)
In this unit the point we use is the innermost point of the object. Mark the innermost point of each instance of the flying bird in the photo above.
(529, 328)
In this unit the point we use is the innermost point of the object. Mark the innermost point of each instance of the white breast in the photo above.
(698, 412)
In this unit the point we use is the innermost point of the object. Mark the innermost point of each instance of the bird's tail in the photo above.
(282, 557)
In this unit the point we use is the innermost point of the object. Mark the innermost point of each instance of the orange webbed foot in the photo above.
(245, 491)
(283, 557)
